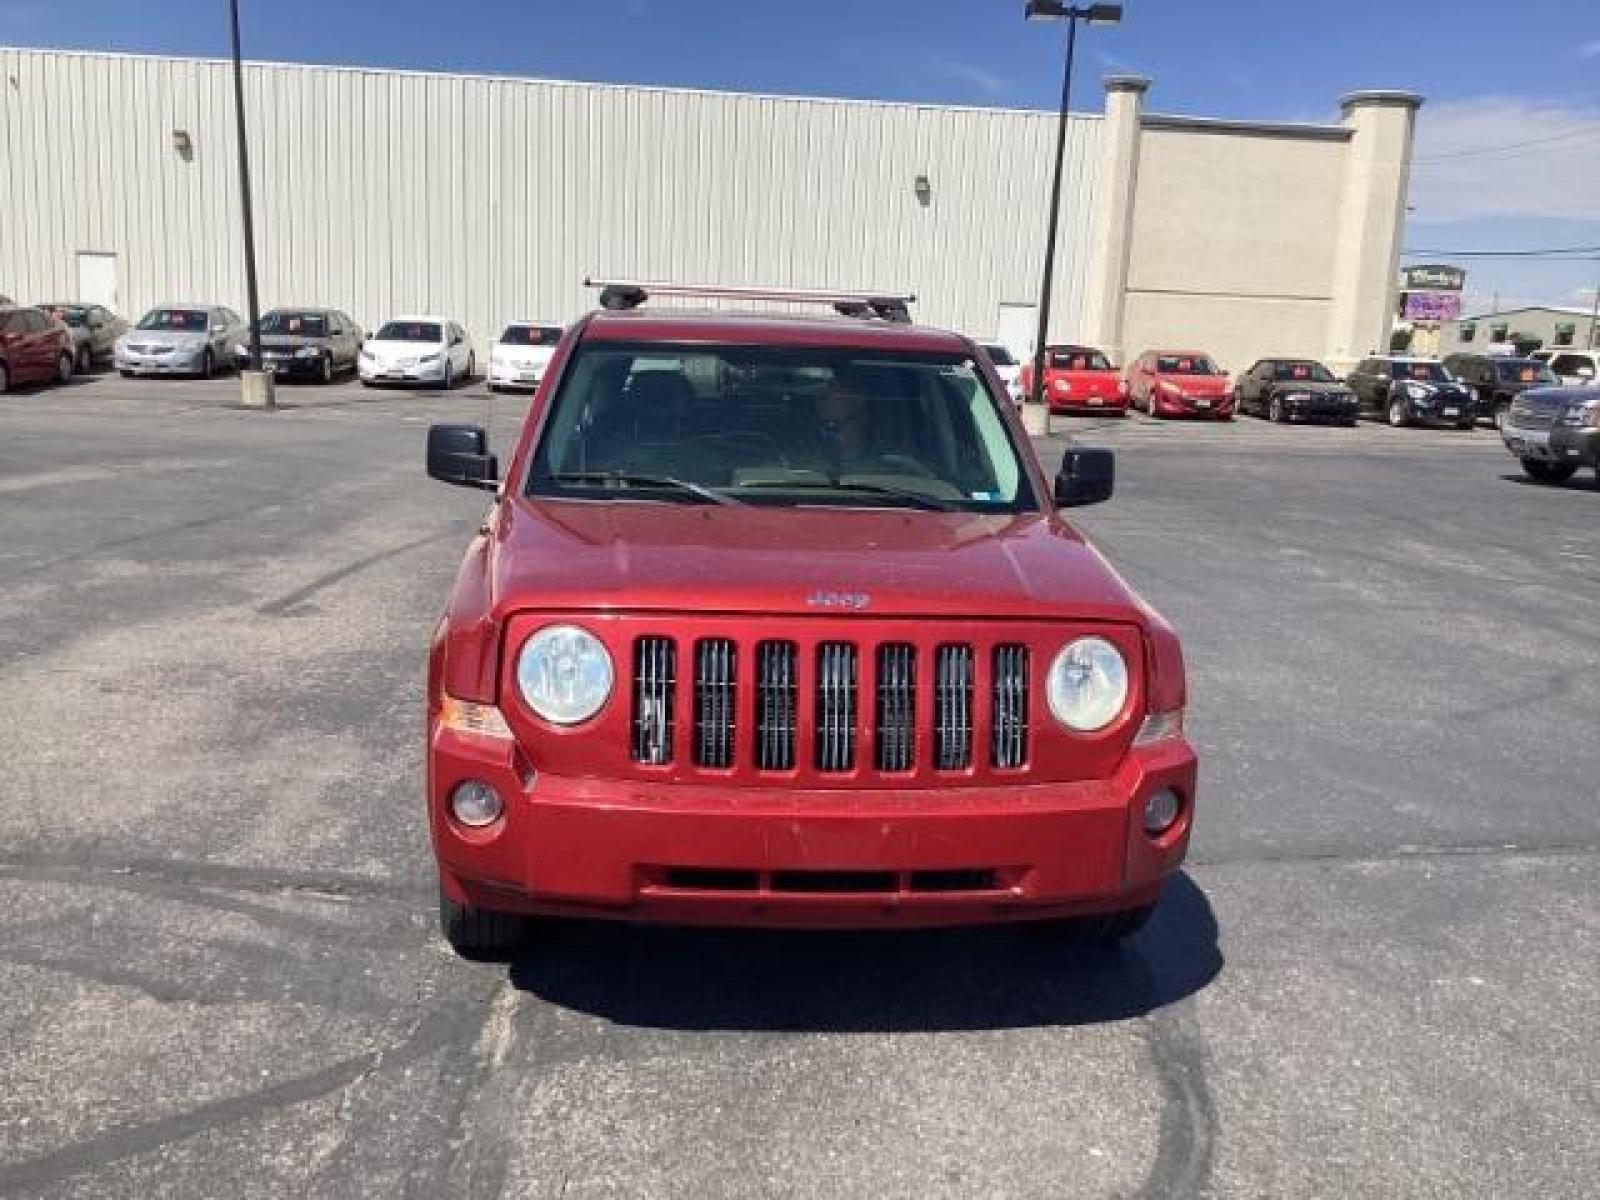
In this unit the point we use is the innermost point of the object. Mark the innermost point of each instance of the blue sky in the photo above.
(1492, 81)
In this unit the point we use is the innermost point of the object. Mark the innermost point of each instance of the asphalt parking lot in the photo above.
(1378, 976)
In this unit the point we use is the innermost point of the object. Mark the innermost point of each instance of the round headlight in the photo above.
(564, 674)
(1088, 684)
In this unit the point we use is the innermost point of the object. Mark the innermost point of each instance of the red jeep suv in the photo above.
(775, 621)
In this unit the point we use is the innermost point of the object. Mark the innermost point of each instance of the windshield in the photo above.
(531, 335)
(69, 314)
(174, 318)
(1300, 372)
(1186, 364)
(294, 324)
(779, 425)
(999, 355)
(410, 331)
(1428, 372)
(1078, 360)
(1525, 372)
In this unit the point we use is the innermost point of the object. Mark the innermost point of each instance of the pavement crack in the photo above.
(90, 867)
(289, 601)
(1399, 854)
(1186, 1143)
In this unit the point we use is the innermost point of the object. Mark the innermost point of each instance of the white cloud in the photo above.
(986, 82)
(1502, 156)
(1589, 50)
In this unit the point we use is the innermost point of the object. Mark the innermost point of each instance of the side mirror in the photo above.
(1585, 372)
(459, 454)
(1088, 476)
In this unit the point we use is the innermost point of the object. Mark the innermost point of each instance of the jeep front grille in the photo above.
(920, 710)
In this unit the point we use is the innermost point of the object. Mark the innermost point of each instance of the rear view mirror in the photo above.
(1087, 476)
(459, 454)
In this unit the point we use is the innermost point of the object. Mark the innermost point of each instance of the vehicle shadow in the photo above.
(1583, 481)
(997, 977)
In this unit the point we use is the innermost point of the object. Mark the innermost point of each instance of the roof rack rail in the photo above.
(622, 294)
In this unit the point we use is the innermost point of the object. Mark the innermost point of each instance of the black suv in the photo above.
(1497, 380)
(1410, 391)
(1295, 389)
(314, 343)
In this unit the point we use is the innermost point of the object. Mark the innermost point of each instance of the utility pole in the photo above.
(256, 387)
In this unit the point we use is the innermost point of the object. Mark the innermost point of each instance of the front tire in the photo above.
(479, 933)
(1399, 418)
(5, 380)
(207, 365)
(327, 368)
(85, 361)
(1548, 472)
(449, 380)
(1275, 411)
(64, 367)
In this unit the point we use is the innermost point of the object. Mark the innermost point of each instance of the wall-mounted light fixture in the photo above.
(183, 144)
(924, 190)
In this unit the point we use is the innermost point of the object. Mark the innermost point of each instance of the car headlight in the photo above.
(428, 359)
(564, 674)
(1417, 392)
(307, 352)
(366, 356)
(1088, 684)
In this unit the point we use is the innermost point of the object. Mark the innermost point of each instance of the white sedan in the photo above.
(520, 357)
(418, 350)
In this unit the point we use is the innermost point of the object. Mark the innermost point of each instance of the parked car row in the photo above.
(58, 339)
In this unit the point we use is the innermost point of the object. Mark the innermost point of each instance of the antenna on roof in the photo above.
(618, 295)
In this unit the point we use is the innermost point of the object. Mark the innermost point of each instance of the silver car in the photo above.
(180, 339)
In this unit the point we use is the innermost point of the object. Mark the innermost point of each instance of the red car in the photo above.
(1079, 379)
(1180, 383)
(775, 620)
(34, 348)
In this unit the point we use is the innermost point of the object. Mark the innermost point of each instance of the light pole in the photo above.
(244, 197)
(1094, 14)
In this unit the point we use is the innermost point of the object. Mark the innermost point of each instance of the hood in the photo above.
(1197, 385)
(1434, 386)
(809, 561)
(1548, 398)
(1317, 386)
(166, 337)
(393, 350)
(287, 341)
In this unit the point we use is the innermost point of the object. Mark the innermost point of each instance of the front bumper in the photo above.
(1088, 404)
(511, 375)
(374, 372)
(160, 364)
(284, 368)
(1165, 404)
(1313, 407)
(867, 858)
(1578, 445)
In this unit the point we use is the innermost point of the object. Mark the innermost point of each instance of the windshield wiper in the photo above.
(632, 479)
(914, 499)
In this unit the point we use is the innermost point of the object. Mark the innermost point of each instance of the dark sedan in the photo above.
(1497, 380)
(1295, 389)
(307, 343)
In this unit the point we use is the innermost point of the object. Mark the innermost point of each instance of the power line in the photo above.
(1509, 147)
(1556, 254)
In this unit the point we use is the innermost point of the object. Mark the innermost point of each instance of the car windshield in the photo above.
(531, 335)
(1300, 372)
(1078, 360)
(1186, 364)
(295, 324)
(778, 425)
(1428, 372)
(70, 314)
(999, 355)
(174, 318)
(1525, 372)
(411, 331)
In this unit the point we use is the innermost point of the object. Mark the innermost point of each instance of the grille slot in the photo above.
(836, 706)
(654, 684)
(1009, 739)
(777, 697)
(952, 707)
(897, 706)
(715, 661)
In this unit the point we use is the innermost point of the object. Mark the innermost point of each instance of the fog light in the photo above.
(475, 804)
(1161, 811)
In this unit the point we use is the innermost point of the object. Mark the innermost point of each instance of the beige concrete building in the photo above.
(491, 198)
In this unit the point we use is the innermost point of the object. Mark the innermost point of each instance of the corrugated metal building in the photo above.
(487, 199)
(383, 192)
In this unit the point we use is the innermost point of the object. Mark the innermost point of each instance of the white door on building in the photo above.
(1017, 327)
(97, 279)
